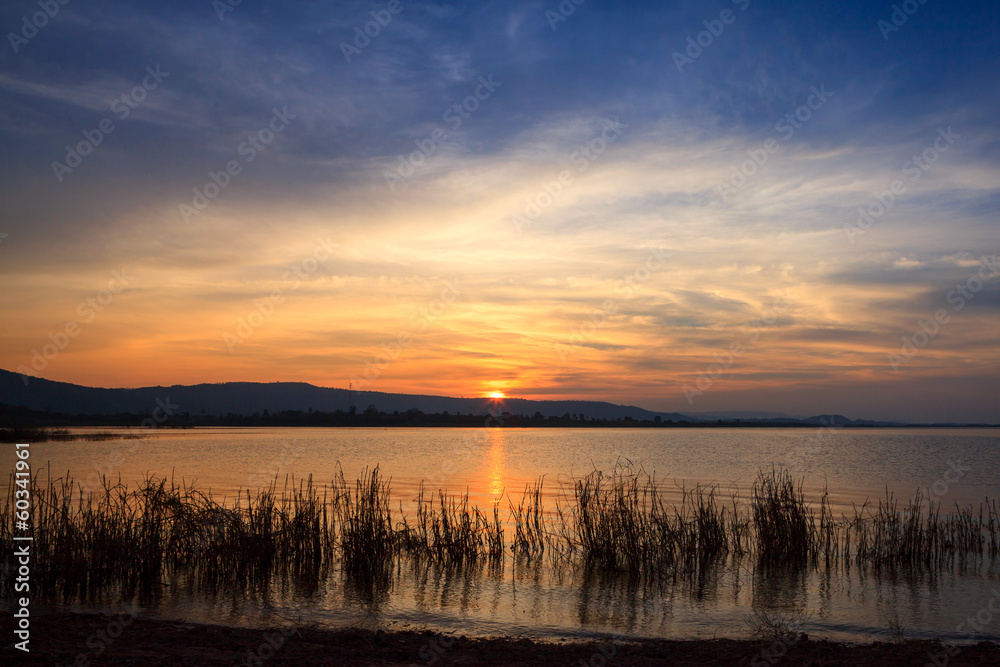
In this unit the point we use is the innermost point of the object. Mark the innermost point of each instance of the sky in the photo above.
(686, 206)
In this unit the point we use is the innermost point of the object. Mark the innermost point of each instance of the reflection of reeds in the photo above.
(128, 540)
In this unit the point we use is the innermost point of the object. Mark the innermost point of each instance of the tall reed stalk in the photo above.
(123, 541)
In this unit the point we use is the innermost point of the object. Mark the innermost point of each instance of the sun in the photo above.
(497, 394)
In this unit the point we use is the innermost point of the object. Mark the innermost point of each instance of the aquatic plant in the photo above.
(123, 541)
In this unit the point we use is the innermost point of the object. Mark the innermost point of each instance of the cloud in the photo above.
(782, 232)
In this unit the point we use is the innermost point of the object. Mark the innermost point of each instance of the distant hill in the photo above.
(247, 398)
(781, 418)
(733, 415)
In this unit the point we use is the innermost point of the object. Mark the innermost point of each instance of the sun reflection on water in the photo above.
(497, 460)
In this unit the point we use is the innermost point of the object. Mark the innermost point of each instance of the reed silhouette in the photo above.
(126, 540)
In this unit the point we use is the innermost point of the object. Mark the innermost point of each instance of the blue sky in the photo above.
(849, 298)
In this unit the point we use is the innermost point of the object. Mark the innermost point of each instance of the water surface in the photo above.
(953, 465)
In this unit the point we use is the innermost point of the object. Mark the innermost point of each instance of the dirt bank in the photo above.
(93, 639)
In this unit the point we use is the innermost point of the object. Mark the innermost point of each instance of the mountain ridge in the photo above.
(249, 398)
(246, 398)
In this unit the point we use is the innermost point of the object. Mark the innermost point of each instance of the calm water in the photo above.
(955, 465)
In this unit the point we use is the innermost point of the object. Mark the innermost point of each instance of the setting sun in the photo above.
(748, 302)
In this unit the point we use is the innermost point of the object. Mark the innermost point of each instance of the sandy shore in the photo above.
(93, 639)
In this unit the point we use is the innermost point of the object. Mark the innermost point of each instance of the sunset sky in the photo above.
(563, 234)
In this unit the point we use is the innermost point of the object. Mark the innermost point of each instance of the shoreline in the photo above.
(62, 432)
(83, 639)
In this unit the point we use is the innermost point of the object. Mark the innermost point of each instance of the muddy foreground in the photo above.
(94, 639)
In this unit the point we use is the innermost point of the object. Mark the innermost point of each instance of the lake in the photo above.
(536, 600)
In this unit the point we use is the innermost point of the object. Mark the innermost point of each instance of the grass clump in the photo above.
(122, 541)
(782, 521)
(450, 531)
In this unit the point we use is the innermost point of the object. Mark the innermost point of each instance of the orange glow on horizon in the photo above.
(497, 394)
